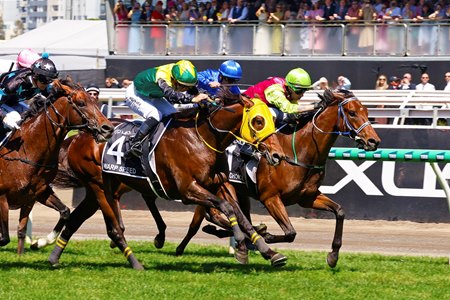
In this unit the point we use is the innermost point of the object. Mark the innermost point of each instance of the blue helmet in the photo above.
(231, 69)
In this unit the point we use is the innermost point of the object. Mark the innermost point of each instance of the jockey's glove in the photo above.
(12, 120)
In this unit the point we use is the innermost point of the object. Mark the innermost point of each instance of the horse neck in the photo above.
(42, 134)
(310, 138)
(226, 122)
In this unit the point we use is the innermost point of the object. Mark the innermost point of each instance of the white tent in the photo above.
(72, 44)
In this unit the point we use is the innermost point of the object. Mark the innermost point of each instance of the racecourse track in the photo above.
(384, 237)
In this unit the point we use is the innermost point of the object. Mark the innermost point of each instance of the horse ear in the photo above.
(321, 97)
(59, 86)
(328, 94)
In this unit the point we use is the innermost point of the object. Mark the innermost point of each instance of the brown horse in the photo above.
(192, 169)
(29, 160)
(297, 181)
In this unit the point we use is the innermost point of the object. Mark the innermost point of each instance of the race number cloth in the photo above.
(114, 160)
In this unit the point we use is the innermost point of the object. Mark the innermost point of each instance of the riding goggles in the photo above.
(44, 80)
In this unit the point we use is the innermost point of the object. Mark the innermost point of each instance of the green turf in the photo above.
(91, 270)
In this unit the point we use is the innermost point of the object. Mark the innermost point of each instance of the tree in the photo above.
(18, 28)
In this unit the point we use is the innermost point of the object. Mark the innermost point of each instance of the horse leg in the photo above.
(105, 198)
(22, 228)
(64, 212)
(118, 213)
(4, 218)
(277, 259)
(87, 207)
(199, 215)
(160, 238)
(277, 210)
(322, 202)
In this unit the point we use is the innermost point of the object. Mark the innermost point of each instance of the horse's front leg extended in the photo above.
(64, 212)
(22, 228)
(322, 202)
(277, 210)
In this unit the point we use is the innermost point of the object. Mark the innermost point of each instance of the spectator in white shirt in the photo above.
(447, 79)
(424, 84)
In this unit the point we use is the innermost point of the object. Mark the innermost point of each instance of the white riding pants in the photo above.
(148, 107)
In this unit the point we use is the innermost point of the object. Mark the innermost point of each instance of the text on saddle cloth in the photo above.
(114, 158)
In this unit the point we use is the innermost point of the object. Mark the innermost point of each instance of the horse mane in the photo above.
(331, 96)
(39, 102)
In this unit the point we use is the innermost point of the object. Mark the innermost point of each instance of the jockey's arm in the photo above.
(172, 95)
(275, 96)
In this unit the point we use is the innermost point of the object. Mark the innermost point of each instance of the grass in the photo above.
(91, 270)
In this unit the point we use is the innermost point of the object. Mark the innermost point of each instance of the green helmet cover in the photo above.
(185, 73)
(298, 79)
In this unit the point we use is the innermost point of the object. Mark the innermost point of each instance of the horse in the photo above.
(191, 167)
(29, 159)
(297, 179)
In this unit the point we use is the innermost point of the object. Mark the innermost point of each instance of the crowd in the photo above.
(275, 11)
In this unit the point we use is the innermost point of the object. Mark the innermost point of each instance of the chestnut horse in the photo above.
(29, 159)
(297, 181)
(191, 167)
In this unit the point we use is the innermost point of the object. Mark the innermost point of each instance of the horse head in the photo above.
(82, 113)
(352, 118)
(254, 122)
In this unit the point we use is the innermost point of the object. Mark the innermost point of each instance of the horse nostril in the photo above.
(276, 158)
(373, 143)
(107, 130)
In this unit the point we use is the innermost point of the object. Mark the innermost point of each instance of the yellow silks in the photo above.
(248, 132)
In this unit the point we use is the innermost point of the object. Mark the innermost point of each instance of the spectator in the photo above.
(341, 10)
(394, 83)
(321, 84)
(315, 13)
(353, 12)
(94, 91)
(275, 18)
(343, 83)
(424, 84)
(381, 83)
(393, 12)
(447, 80)
(238, 13)
(302, 10)
(158, 34)
(211, 11)
(125, 83)
(121, 12)
(111, 82)
(406, 83)
(224, 13)
(329, 10)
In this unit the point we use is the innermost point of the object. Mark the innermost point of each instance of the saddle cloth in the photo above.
(115, 161)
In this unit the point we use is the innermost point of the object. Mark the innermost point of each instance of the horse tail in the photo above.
(66, 179)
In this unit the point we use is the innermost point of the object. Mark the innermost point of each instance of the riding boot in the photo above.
(146, 127)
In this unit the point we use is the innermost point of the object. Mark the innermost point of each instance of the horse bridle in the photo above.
(90, 125)
(352, 132)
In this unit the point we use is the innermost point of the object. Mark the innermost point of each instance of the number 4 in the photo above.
(116, 150)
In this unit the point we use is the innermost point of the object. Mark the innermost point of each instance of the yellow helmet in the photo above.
(185, 73)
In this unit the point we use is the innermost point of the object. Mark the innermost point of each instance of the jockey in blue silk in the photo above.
(154, 92)
(228, 74)
(23, 84)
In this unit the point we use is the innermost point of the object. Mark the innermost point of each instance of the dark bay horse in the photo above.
(29, 159)
(191, 167)
(297, 181)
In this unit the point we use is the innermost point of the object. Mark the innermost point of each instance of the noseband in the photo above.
(352, 132)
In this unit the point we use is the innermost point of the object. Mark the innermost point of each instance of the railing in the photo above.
(397, 105)
(290, 39)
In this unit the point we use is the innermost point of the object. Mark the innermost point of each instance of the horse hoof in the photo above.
(159, 242)
(261, 228)
(179, 252)
(241, 256)
(112, 245)
(135, 264)
(278, 260)
(332, 259)
(54, 263)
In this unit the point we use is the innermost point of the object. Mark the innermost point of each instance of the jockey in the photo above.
(229, 73)
(23, 84)
(154, 91)
(283, 93)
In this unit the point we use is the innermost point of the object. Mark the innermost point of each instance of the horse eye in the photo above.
(352, 113)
